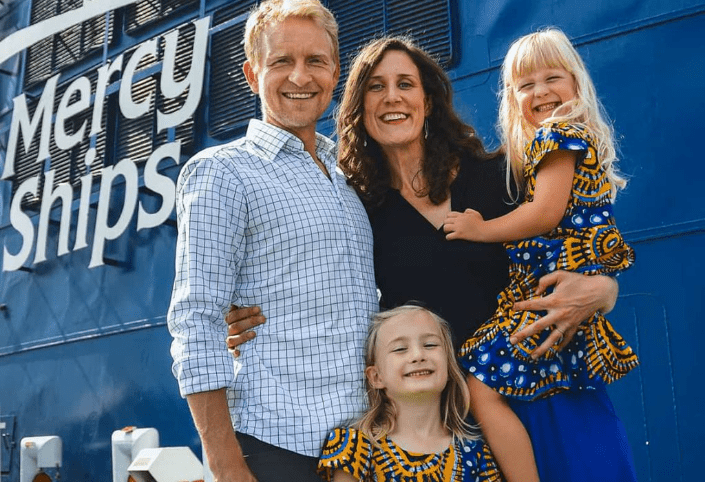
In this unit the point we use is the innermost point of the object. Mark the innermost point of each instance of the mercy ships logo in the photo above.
(78, 100)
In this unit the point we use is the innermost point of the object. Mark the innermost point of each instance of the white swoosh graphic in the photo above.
(20, 40)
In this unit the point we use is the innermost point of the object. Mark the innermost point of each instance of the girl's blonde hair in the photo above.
(551, 48)
(380, 418)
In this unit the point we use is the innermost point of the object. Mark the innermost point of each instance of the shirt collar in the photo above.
(272, 140)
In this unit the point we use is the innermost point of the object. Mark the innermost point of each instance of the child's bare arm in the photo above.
(554, 181)
(340, 476)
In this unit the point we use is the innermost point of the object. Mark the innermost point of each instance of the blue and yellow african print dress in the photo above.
(351, 451)
(586, 241)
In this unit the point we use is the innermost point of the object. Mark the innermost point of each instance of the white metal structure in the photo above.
(126, 444)
(166, 464)
(2, 430)
(37, 453)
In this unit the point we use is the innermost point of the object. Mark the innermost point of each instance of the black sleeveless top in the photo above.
(458, 279)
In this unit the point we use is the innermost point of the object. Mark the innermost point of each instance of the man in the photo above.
(266, 220)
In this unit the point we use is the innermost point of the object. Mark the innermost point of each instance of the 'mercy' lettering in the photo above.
(75, 101)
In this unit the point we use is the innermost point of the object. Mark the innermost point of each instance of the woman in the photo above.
(411, 170)
(412, 160)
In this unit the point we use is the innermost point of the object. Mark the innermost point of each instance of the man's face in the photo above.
(296, 75)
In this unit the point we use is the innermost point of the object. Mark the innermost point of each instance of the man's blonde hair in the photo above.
(272, 12)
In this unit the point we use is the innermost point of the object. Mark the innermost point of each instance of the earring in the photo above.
(425, 128)
(364, 139)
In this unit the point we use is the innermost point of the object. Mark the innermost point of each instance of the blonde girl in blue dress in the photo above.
(560, 149)
(414, 429)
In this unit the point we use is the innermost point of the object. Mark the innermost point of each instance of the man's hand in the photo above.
(239, 321)
(575, 298)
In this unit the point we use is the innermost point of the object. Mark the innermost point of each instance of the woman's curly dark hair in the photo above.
(449, 138)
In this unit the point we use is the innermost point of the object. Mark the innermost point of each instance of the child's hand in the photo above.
(466, 225)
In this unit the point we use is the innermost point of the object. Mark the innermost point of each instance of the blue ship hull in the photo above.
(84, 351)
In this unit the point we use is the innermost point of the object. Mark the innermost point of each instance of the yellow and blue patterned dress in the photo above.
(351, 451)
(586, 241)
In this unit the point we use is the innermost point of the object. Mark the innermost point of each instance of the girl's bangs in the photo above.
(537, 53)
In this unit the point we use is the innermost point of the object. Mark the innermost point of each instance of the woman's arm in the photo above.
(239, 321)
(574, 299)
(554, 182)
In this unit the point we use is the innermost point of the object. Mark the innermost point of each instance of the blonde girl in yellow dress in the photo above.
(560, 149)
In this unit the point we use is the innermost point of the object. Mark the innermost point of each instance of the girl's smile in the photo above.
(541, 92)
(410, 357)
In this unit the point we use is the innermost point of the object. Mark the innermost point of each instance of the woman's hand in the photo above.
(575, 298)
(239, 321)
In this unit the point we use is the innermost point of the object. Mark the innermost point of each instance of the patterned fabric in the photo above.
(586, 241)
(260, 224)
(353, 452)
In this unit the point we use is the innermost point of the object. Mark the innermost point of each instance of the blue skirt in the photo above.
(577, 437)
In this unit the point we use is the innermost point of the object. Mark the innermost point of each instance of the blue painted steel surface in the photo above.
(84, 352)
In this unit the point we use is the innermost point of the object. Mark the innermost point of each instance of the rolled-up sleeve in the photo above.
(212, 214)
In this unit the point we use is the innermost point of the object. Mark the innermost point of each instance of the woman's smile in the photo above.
(395, 104)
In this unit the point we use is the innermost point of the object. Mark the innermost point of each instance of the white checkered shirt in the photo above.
(260, 224)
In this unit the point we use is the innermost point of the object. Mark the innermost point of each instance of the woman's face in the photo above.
(395, 104)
